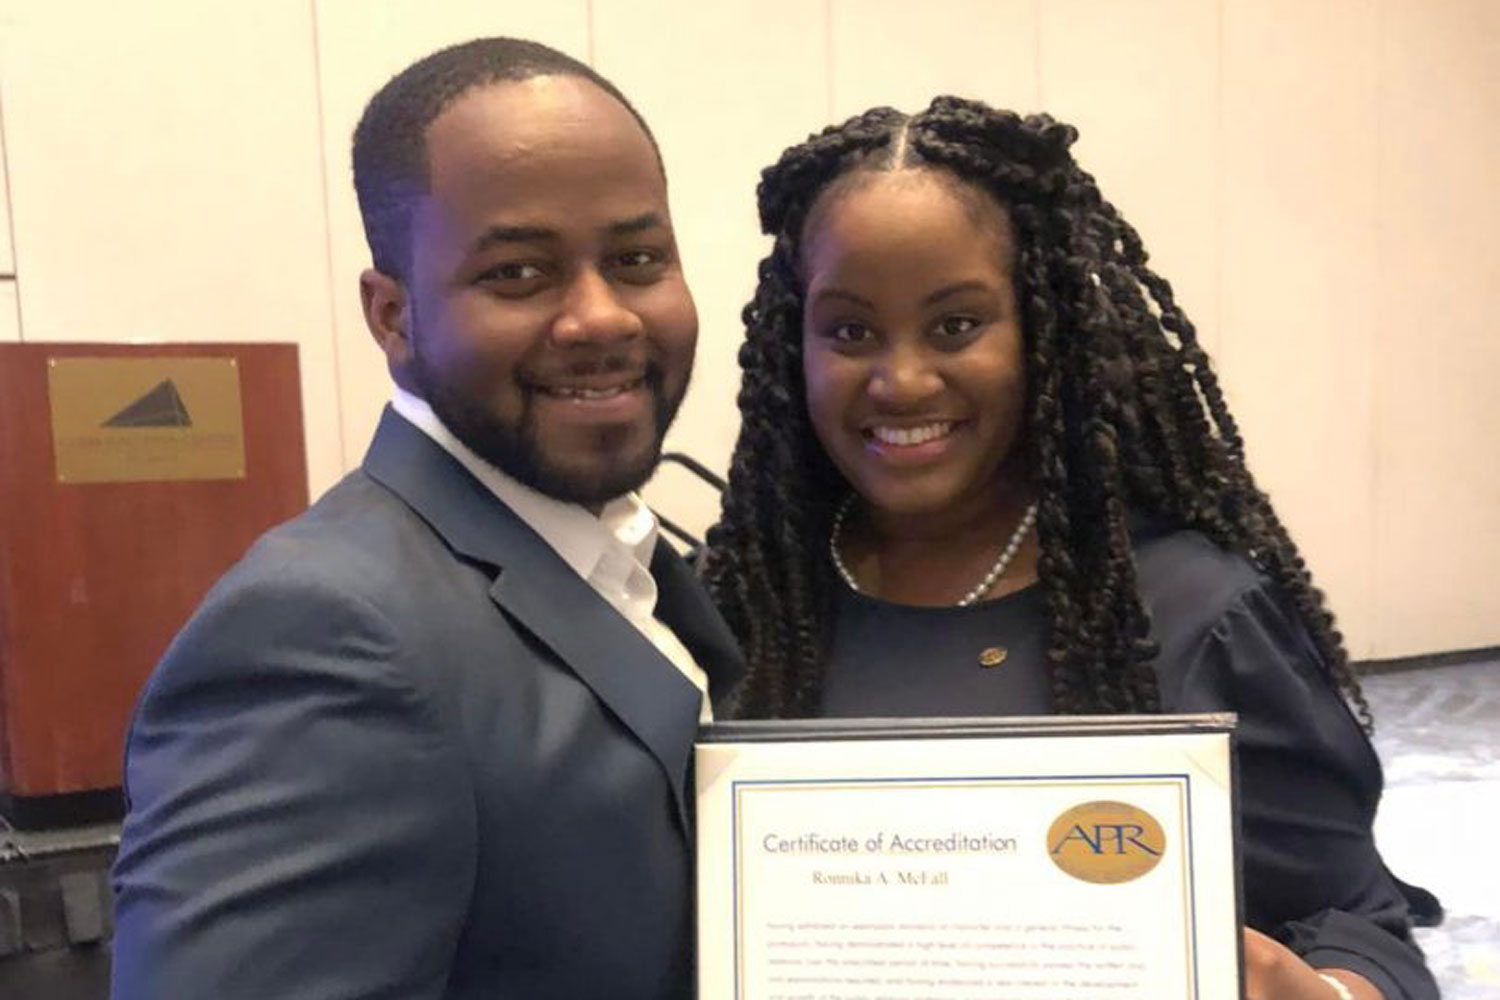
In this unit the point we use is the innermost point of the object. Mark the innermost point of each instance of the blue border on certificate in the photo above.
(1186, 784)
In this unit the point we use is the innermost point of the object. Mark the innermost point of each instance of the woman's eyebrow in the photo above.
(842, 295)
(957, 288)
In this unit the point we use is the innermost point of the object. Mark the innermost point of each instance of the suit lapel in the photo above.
(540, 592)
(611, 656)
(684, 606)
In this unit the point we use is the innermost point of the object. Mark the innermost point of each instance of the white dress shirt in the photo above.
(612, 552)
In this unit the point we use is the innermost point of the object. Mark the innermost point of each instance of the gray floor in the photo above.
(1438, 733)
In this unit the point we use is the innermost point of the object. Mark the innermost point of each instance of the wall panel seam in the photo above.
(829, 97)
(1219, 186)
(10, 227)
(330, 282)
(1378, 642)
(588, 33)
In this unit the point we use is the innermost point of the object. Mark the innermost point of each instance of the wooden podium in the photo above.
(131, 478)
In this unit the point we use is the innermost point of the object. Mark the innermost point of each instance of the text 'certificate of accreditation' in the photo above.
(1027, 859)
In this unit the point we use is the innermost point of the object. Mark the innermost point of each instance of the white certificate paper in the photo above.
(1006, 860)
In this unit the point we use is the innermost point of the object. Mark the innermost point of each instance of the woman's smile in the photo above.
(912, 445)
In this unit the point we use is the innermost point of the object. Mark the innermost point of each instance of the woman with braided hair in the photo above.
(985, 468)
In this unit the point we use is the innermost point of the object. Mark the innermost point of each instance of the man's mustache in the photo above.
(617, 367)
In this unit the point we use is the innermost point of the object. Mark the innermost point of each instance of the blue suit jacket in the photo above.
(403, 750)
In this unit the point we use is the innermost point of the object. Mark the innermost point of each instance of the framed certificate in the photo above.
(1008, 859)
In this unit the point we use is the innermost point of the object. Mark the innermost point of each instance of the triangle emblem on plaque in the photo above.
(161, 407)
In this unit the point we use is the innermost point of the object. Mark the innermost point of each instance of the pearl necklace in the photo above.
(980, 589)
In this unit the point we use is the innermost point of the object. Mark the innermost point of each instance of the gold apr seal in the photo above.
(1106, 842)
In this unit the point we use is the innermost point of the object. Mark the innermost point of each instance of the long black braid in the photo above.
(1125, 418)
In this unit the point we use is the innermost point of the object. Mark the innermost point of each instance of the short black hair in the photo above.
(390, 141)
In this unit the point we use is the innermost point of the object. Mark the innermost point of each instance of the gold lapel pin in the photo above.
(993, 656)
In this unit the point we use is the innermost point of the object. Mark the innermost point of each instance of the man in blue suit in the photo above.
(431, 739)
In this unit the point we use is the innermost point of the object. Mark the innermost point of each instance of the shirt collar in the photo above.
(580, 538)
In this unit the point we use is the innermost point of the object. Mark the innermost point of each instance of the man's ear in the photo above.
(388, 319)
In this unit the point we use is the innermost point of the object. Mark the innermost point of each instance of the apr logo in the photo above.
(1106, 842)
(161, 407)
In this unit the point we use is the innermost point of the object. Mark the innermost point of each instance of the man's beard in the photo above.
(516, 450)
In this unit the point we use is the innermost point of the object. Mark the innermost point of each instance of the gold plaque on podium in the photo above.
(150, 419)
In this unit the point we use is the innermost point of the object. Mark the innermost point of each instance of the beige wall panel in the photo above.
(1299, 276)
(164, 178)
(720, 120)
(1438, 506)
(904, 53)
(1139, 79)
(361, 45)
(10, 316)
